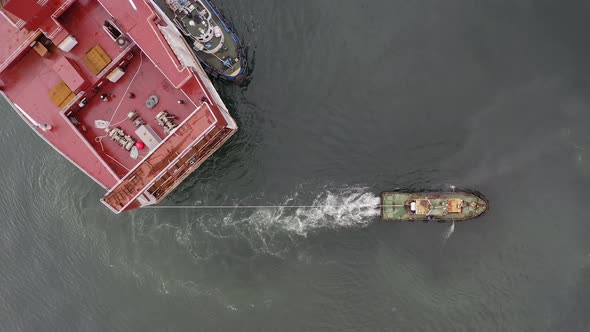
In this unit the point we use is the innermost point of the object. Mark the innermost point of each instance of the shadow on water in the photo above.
(222, 167)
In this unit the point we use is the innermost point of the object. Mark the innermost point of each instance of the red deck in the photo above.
(31, 78)
(34, 75)
(149, 81)
(200, 122)
(18, 39)
(141, 27)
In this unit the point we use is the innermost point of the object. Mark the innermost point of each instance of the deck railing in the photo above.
(162, 160)
(190, 162)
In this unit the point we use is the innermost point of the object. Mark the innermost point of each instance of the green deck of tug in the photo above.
(215, 60)
(434, 206)
(230, 49)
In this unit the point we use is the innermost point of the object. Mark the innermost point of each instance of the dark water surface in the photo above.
(346, 99)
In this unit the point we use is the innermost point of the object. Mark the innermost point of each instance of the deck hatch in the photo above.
(96, 60)
(61, 94)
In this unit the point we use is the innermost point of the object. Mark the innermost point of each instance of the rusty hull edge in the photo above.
(137, 205)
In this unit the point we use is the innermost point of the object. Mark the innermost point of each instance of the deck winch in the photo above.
(135, 118)
(164, 119)
(118, 135)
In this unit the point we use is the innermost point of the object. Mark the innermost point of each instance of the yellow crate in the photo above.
(61, 95)
(96, 59)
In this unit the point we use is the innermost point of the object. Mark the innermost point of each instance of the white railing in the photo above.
(19, 50)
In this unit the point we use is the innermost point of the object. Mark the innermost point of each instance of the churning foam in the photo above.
(330, 210)
(276, 229)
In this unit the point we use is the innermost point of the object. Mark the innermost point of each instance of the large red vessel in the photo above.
(112, 86)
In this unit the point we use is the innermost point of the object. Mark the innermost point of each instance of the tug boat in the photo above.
(210, 35)
(431, 206)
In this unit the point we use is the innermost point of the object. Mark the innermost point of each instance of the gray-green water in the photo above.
(346, 99)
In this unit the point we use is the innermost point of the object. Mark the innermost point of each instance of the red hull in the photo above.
(56, 70)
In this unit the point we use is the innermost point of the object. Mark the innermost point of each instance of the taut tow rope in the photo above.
(375, 206)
